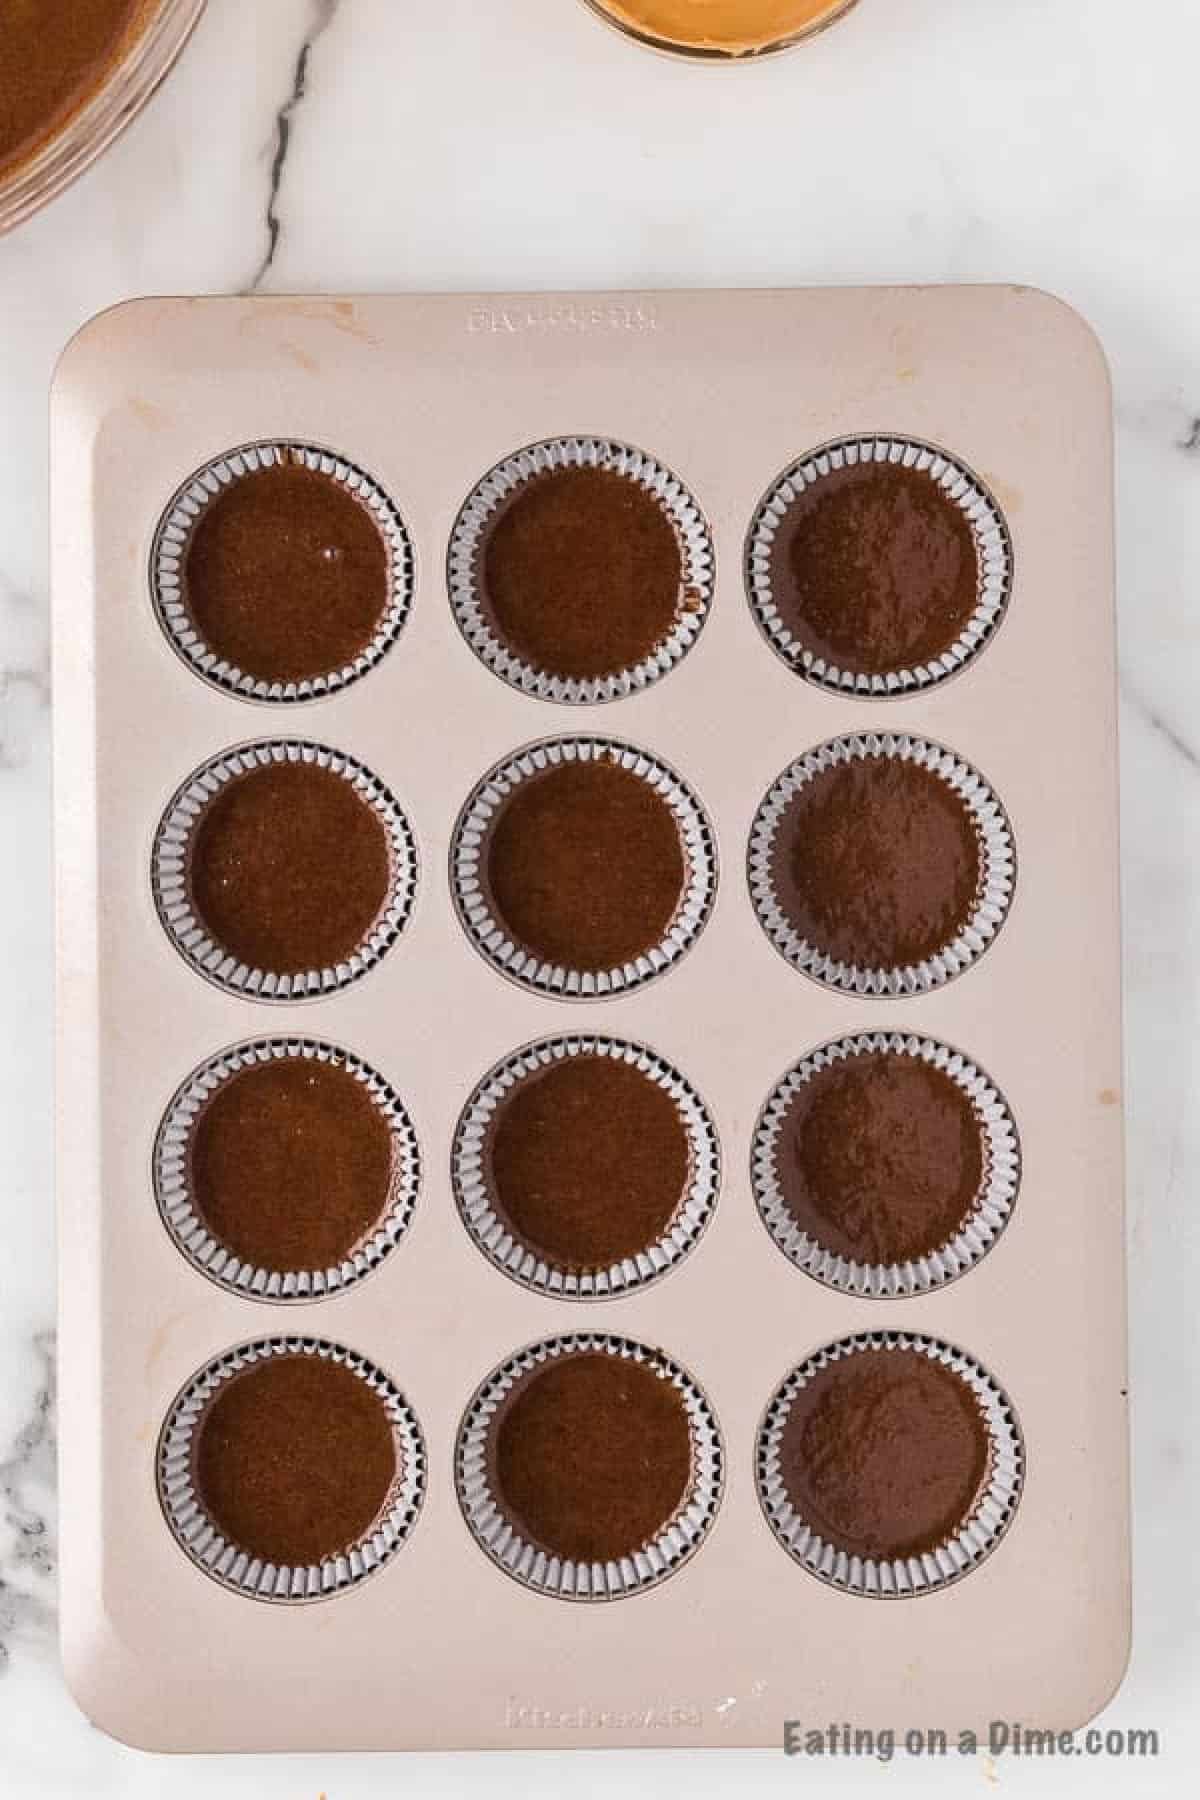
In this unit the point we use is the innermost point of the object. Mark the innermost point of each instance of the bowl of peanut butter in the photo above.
(720, 29)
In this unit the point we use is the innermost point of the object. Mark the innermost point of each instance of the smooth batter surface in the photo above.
(289, 868)
(587, 1161)
(54, 55)
(877, 862)
(737, 27)
(286, 574)
(291, 1164)
(591, 1456)
(581, 573)
(885, 1453)
(585, 865)
(295, 1459)
(880, 1158)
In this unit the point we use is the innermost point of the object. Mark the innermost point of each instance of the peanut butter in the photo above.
(726, 27)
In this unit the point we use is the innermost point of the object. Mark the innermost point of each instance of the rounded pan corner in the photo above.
(1110, 1678)
(88, 372)
(98, 1676)
(1067, 318)
(1078, 1694)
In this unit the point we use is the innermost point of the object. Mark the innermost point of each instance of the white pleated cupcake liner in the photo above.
(201, 1539)
(988, 529)
(992, 904)
(901, 1577)
(470, 533)
(564, 1578)
(186, 1224)
(514, 1257)
(488, 933)
(979, 1230)
(172, 892)
(169, 559)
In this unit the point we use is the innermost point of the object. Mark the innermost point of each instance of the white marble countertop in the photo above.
(343, 145)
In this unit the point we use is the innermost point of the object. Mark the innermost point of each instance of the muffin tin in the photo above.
(442, 1625)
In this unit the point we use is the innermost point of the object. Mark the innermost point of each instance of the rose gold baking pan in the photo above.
(442, 1629)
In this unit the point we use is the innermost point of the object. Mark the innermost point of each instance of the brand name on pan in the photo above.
(571, 317)
(521, 1716)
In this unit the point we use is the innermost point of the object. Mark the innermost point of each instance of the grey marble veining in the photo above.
(27, 1539)
(323, 14)
(24, 673)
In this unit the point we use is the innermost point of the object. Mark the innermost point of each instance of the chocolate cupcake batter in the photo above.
(581, 573)
(590, 1456)
(289, 868)
(877, 862)
(885, 1453)
(54, 56)
(880, 1158)
(295, 1459)
(587, 1162)
(286, 574)
(291, 1164)
(584, 865)
(874, 568)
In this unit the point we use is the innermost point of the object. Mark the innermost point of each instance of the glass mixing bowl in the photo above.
(121, 94)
